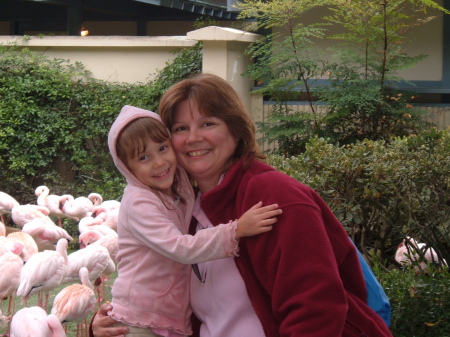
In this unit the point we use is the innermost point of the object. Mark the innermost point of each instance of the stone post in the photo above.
(223, 55)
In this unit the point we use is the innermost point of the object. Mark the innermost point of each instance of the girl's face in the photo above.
(156, 166)
(203, 144)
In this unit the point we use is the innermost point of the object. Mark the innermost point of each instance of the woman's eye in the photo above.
(180, 128)
(208, 124)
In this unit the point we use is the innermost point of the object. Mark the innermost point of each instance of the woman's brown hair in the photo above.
(133, 139)
(215, 97)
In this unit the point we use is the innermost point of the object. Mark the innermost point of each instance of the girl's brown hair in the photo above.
(133, 139)
(215, 97)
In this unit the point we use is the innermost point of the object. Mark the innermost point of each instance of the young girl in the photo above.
(151, 292)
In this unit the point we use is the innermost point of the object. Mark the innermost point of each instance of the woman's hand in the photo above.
(257, 220)
(101, 325)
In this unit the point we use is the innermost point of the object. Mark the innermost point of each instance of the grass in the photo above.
(72, 326)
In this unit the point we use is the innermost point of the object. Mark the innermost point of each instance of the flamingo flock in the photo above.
(34, 262)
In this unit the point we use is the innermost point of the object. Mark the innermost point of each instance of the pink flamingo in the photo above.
(7, 245)
(75, 302)
(407, 254)
(22, 214)
(98, 262)
(52, 203)
(97, 200)
(7, 203)
(93, 237)
(30, 246)
(45, 233)
(78, 207)
(90, 223)
(10, 267)
(35, 322)
(43, 272)
(110, 217)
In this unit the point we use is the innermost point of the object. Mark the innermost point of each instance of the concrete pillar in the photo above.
(223, 55)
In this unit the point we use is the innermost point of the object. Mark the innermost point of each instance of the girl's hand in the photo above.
(101, 325)
(257, 220)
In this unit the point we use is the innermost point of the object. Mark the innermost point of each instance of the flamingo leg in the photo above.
(98, 300)
(40, 303)
(47, 295)
(82, 329)
(104, 280)
(11, 311)
(86, 328)
(12, 305)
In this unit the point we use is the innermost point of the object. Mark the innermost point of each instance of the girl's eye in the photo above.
(143, 157)
(163, 148)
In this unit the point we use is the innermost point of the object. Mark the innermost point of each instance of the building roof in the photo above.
(68, 15)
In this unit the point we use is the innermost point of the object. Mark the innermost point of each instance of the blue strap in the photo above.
(376, 297)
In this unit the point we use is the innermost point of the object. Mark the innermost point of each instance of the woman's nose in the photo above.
(193, 136)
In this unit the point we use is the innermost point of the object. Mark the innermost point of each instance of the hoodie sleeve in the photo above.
(153, 226)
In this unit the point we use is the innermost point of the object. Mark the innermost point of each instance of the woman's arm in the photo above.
(101, 324)
(302, 256)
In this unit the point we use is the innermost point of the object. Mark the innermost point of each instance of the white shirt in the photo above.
(221, 302)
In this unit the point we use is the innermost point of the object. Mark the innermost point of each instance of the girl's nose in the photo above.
(159, 160)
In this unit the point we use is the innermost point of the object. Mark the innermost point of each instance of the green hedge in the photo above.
(54, 119)
(420, 302)
(382, 192)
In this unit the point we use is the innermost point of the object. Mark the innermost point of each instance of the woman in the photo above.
(302, 279)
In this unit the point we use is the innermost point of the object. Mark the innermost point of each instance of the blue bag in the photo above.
(376, 297)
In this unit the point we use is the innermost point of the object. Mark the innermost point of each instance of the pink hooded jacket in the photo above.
(155, 251)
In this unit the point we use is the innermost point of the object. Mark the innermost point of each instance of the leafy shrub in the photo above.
(420, 302)
(382, 192)
(291, 130)
(55, 118)
(186, 64)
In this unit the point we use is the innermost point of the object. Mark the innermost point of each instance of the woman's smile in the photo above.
(198, 153)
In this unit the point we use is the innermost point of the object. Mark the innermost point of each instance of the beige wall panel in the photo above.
(114, 64)
(110, 58)
(425, 39)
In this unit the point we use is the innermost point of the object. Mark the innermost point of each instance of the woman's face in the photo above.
(203, 144)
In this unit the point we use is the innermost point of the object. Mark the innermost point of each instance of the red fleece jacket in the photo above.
(303, 277)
